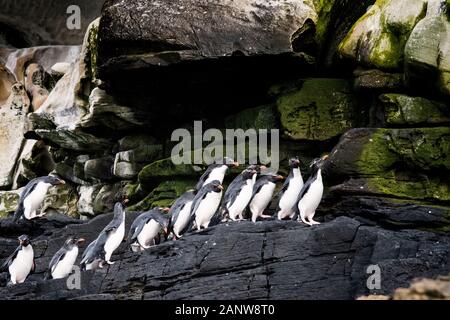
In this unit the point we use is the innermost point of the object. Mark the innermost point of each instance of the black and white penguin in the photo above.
(289, 192)
(311, 193)
(238, 195)
(215, 171)
(180, 214)
(109, 239)
(32, 197)
(205, 204)
(262, 195)
(145, 230)
(62, 262)
(21, 262)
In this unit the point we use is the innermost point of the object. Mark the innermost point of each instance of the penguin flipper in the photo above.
(10, 259)
(25, 193)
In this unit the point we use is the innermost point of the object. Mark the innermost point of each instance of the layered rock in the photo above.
(242, 260)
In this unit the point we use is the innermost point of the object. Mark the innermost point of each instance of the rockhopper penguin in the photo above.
(144, 231)
(290, 190)
(32, 197)
(180, 214)
(311, 193)
(21, 262)
(262, 195)
(215, 171)
(109, 239)
(62, 262)
(205, 204)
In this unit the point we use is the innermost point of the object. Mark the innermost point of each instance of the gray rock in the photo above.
(100, 168)
(242, 260)
(13, 115)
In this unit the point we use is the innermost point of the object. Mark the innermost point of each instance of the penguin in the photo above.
(205, 204)
(238, 194)
(21, 262)
(32, 197)
(311, 193)
(215, 171)
(180, 214)
(62, 262)
(262, 195)
(290, 190)
(109, 239)
(146, 227)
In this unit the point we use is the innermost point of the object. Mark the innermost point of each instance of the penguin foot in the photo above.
(266, 216)
(313, 222)
(110, 262)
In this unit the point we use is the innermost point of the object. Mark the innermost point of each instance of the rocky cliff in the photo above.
(366, 82)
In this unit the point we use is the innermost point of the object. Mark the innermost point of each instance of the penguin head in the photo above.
(54, 180)
(24, 240)
(119, 209)
(73, 242)
(275, 178)
(294, 162)
(228, 162)
(248, 173)
(257, 167)
(163, 219)
(318, 163)
(215, 186)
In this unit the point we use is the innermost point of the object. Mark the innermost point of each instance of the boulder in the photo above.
(8, 202)
(243, 260)
(320, 109)
(374, 79)
(378, 38)
(73, 139)
(406, 110)
(97, 199)
(6, 82)
(99, 169)
(403, 163)
(427, 54)
(13, 116)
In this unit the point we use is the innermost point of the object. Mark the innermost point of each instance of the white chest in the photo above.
(262, 198)
(216, 174)
(115, 239)
(22, 264)
(183, 218)
(311, 200)
(35, 199)
(242, 199)
(148, 233)
(207, 208)
(64, 267)
(289, 197)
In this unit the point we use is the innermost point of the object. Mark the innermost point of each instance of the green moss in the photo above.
(164, 194)
(324, 9)
(404, 162)
(401, 109)
(263, 117)
(8, 202)
(320, 110)
(165, 168)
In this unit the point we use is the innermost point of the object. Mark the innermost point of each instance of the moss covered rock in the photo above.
(8, 202)
(321, 109)
(405, 110)
(264, 117)
(427, 54)
(378, 38)
(403, 163)
(164, 194)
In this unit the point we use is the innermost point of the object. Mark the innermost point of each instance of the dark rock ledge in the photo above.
(242, 260)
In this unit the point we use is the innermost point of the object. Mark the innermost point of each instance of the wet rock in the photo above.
(246, 260)
(320, 109)
(406, 110)
(13, 115)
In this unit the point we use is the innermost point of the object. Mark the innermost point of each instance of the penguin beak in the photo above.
(80, 241)
(125, 201)
(60, 181)
(262, 167)
(166, 231)
(165, 209)
(220, 187)
(280, 177)
(325, 157)
(235, 164)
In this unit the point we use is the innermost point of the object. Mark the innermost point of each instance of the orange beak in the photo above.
(220, 187)
(165, 209)
(325, 157)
